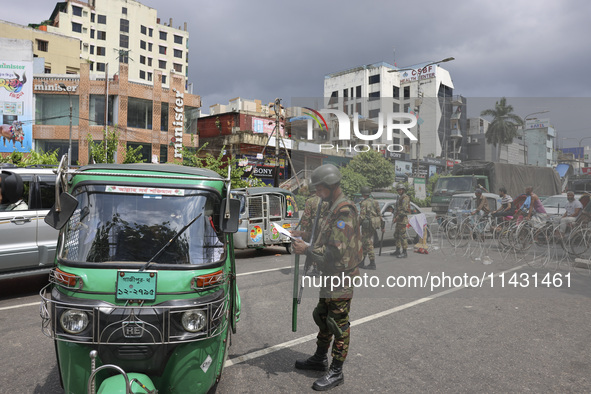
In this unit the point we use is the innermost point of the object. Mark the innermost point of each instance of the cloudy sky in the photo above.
(265, 49)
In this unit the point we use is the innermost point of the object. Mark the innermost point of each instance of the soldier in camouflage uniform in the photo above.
(337, 252)
(369, 218)
(309, 214)
(400, 219)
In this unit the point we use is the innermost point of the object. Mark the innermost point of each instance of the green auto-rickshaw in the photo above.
(143, 297)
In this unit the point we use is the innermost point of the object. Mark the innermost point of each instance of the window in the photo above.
(101, 51)
(406, 108)
(100, 67)
(139, 113)
(163, 79)
(92, 17)
(178, 53)
(150, 31)
(124, 25)
(143, 29)
(163, 153)
(101, 35)
(164, 116)
(142, 44)
(123, 58)
(124, 10)
(91, 33)
(406, 92)
(142, 59)
(161, 50)
(374, 96)
(150, 46)
(358, 91)
(177, 67)
(162, 64)
(76, 27)
(374, 79)
(334, 97)
(149, 76)
(395, 107)
(345, 92)
(163, 35)
(142, 74)
(123, 41)
(97, 110)
(54, 109)
(47, 70)
(92, 49)
(150, 61)
(395, 91)
(91, 66)
(102, 19)
(77, 11)
(178, 39)
(42, 45)
(374, 113)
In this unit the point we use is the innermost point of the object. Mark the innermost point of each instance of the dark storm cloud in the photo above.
(266, 49)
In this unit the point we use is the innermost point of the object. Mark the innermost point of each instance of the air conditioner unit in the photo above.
(85, 44)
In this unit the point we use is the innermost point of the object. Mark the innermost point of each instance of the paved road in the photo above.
(498, 337)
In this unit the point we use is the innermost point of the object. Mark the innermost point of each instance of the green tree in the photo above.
(503, 128)
(33, 158)
(219, 164)
(377, 171)
(97, 149)
(352, 181)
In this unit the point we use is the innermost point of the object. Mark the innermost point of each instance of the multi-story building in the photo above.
(380, 87)
(57, 53)
(111, 32)
(539, 137)
(142, 114)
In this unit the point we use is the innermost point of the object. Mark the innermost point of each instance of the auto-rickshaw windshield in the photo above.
(130, 224)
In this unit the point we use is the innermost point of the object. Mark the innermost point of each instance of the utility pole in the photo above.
(277, 108)
(64, 87)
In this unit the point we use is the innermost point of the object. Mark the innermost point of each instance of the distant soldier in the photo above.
(337, 252)
(310, 207)
(400, 219)
(370, 219)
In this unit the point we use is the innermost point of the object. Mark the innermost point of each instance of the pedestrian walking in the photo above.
(371, 221)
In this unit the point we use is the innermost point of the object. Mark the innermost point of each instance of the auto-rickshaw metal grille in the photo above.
(152, 325)
(255, 207)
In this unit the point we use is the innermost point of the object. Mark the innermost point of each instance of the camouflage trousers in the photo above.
(400, 234)
(338, 308)
(367, 242)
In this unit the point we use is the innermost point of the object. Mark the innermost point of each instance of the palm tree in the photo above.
(503, 129)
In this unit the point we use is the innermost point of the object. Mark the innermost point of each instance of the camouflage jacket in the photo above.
(309, 214)
(402, 207)
(338, 248)
(370, 210)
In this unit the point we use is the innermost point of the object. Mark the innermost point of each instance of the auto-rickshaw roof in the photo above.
(253, 191)
(164, 168)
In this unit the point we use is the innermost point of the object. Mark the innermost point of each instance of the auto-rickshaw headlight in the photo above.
(74, 321)
(194, 321)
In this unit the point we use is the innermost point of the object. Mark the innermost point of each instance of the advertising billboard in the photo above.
(16, 106)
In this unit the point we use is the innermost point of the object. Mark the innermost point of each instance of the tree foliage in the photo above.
(97, 149)
(503, 128)
(33, 158)
(375, 169)
(352, 181)
(219, 164)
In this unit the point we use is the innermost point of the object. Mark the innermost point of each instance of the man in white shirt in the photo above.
(573, 209)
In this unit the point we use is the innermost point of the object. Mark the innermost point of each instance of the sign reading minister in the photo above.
(179, 109)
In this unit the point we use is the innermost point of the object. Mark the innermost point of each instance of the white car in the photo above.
(554, 205)
(387, 205)
(27, 243)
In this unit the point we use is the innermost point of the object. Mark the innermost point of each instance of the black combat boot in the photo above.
(362, 264)
(318, 362)
(402, 255)
(371, 266)
(396, 253)
(333, 377)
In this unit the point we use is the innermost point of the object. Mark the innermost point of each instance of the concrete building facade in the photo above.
(111, 32)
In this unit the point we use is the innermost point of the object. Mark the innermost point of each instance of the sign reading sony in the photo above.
(387, 122)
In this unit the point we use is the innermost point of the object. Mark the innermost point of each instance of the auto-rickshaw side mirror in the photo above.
(58, 217)
(229, 223)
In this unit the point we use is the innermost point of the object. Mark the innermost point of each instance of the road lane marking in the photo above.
(297, 341)
(5, 308)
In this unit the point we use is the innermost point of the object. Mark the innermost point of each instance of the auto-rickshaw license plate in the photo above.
(135, 285)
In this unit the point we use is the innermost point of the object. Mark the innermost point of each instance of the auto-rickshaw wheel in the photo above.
(289, 248)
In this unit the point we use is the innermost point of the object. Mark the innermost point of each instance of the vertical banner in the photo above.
(16, 106)
(420, 188)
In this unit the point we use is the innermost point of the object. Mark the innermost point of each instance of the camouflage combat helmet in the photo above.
(327, 174)
(365, 190)
(401, 186)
